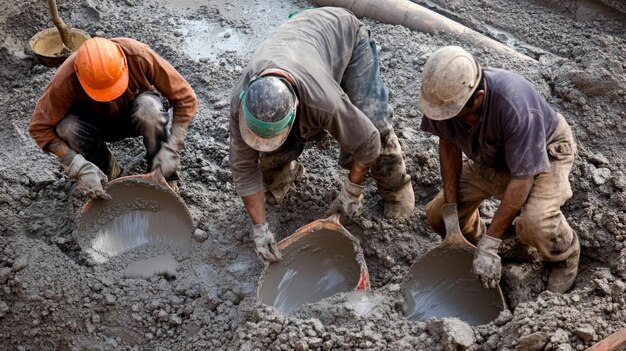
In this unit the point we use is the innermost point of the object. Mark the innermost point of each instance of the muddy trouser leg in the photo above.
(149, 118)
(85, 136)
(280, 169)
(364, 86)
(475, 185)
(542, 224)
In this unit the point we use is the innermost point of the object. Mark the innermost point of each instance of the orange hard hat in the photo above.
(101, 68)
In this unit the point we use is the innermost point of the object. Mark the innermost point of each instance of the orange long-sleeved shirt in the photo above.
(147, 71)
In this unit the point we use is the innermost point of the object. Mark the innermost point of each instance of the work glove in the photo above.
(265, 243)
(350, 200)
(487, 266)
(168, 157)
(91, 180)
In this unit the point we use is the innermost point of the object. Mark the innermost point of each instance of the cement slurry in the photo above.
(442, 285)
(138, 213)
(314, 267)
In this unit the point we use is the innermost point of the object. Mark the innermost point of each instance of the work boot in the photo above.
(278, 182)
(564, 273)
(400, 202)
(394, 184)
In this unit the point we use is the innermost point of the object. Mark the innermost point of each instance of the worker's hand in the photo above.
(487, 266)
(265, 243)
(168, 157)
(91, 180)
(350, 200)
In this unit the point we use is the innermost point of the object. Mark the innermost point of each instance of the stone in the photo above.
(534, 341)
(455, 334)
(585, 332)
(200, 235)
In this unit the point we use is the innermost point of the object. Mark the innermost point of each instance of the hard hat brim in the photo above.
(257, 142)
(441, 111)
(109, 93)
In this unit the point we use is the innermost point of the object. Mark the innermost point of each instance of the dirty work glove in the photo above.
(265, 243)
(487, 266)
(349, 201)
(168, 157)
(91, 180)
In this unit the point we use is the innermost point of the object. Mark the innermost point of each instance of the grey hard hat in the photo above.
(267, 113)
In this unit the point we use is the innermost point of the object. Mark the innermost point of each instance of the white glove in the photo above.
(168, 157)
(349, 201)
(265, 243)
(487, 266)
(91, 180)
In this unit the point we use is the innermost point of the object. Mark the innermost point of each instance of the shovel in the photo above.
(53, 45)
(319, 260)
(440, 284)
(143, 210)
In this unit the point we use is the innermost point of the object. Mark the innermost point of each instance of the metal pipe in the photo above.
(419, 18)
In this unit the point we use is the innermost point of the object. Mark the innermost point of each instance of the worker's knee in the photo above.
(68, 127)
(434, 216)
(530, 224)
(148, 113)
(550, 235)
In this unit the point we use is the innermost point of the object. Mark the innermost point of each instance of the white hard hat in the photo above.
(449, 79)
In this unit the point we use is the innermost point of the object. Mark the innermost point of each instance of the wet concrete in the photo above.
(314, 267)
(206, 38)
(159, 265)
(211, 40)
(138, 213)
(442, 285)
(48, 46)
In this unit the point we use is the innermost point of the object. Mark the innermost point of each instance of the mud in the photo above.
(159, 265)
(53, 295)
(441, 285)
(314, 267)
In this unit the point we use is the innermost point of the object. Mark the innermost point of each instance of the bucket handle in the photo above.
(334, 218)
(157, 176)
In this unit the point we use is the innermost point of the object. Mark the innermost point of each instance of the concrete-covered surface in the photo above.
(52, 296)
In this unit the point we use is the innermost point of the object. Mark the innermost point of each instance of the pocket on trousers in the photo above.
(561, 150)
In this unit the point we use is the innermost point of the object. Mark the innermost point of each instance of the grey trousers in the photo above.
(87, 136)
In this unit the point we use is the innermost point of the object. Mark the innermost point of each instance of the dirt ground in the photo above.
(54, 297)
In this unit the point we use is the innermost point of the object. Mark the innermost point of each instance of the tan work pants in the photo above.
(540, 223)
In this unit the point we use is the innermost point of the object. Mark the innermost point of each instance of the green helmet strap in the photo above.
(267, 129)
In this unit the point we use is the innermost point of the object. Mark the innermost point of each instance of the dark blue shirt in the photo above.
(512, 131)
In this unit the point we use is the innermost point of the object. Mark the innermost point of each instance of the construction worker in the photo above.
(317, 72)
(107, 91)
(519, 150)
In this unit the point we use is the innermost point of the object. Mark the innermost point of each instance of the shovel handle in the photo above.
(453, 230)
